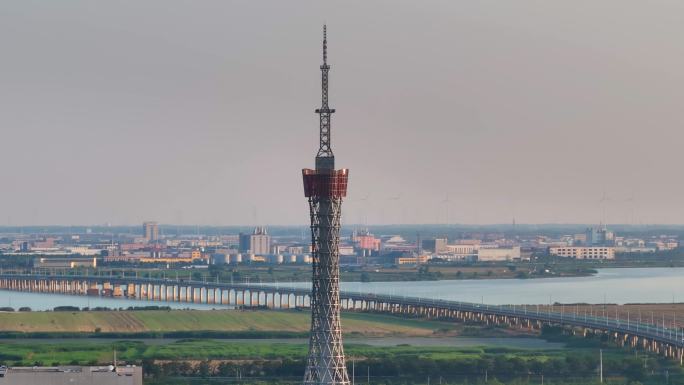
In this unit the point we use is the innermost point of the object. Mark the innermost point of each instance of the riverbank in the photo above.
(538, 267)
(401, 273)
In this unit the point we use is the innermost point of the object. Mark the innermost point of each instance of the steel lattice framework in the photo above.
(325, 187)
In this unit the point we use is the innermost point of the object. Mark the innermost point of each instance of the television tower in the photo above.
(325, 187)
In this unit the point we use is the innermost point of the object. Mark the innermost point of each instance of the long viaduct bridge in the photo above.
(667, 341)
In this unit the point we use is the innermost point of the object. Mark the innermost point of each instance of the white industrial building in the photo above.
(479, 252)
(72, 375)
(491, 254)
(584, 252)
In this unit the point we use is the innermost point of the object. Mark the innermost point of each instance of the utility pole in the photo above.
(601, 365)
(353, 371)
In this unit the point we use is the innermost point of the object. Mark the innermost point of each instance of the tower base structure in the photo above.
(325, 189)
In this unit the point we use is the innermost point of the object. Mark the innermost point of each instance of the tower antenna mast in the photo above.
(325, 159)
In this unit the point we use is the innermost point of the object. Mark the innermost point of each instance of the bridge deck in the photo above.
(673, 337)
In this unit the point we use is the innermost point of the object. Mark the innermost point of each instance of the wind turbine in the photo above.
(394, 199)
(630, 201)
(447, 202)
(364, 207)
(602, 202)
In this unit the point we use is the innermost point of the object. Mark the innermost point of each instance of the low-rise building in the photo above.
(491, 254)
(347, 250)
(584, 252)
(637, 250)
(412, 260)
(70, 375)
(437, 245)
(64, 263)
(462, 251)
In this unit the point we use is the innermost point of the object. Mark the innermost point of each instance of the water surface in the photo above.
(628, 285)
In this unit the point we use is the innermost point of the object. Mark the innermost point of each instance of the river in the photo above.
(628, 285)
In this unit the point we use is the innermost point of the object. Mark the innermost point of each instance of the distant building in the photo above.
(368, 242)
(259, 242)
(151, 231)
(278, 249)
(83, 250)
(463, 251)
(397, 243)
(70, 375)
(63, 263)
(412, 260)
(244, 243)
(347, 250)
(47, 243)
(635, 249)
(599, 237)
(437, 245)
(295, 250)
(257, 258)
(487, 254)
(365, 242)
(579, 239)
(665, 245)
(584, 252)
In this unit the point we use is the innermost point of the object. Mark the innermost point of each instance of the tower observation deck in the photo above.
(325, 187)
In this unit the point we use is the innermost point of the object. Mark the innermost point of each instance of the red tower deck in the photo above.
(325, 183)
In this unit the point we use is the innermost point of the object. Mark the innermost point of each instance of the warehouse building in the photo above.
(71, 375)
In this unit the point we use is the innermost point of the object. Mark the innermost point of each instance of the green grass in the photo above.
(387, 358)
(199, 349)
(216, 320)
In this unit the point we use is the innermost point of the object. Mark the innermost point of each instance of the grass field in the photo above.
(200, 349)
(192, 360)
(202, 320)
(186, 357)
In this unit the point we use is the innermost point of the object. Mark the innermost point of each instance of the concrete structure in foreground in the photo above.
(325, 187)
(72, 375)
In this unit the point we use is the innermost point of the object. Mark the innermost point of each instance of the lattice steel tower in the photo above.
(325, 187)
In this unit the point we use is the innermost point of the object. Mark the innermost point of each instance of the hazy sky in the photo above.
(203, 111)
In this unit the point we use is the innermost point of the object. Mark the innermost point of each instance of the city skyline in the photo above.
(498, 200)
(122, 114)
